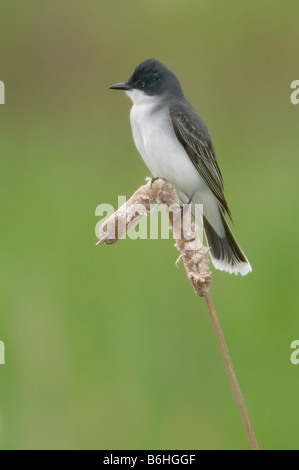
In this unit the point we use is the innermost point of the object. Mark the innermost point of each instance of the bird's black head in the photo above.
(152, 78)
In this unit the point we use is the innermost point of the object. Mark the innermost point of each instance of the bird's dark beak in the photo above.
(120, 86)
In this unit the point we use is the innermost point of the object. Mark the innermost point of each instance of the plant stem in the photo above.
(231, 373)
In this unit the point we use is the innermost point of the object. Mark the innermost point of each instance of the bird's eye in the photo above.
(143, 84)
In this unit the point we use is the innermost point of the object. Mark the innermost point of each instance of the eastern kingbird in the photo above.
(175, 144)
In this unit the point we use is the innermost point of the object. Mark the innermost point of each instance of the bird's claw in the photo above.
(154, 179)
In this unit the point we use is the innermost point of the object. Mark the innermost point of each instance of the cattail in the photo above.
(193, 253)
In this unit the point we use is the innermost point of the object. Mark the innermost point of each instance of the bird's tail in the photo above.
(226, 253)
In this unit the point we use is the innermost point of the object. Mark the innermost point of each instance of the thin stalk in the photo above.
(231, 373)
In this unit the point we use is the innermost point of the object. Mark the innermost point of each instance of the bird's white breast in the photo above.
(159, 147)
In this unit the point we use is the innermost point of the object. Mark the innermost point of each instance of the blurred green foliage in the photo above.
(108, 347)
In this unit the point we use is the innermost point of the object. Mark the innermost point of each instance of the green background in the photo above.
(109, 347)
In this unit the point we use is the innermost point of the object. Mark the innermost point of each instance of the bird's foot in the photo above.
(154, 179)
(186, 207)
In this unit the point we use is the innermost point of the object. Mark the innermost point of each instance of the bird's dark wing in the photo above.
(194, 137)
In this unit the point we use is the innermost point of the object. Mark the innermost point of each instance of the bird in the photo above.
(176, 146)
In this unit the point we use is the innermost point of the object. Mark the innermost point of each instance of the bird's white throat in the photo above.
(140, 97)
